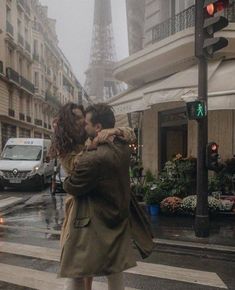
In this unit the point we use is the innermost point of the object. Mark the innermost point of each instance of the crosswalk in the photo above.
(44, 280)
(8, 202)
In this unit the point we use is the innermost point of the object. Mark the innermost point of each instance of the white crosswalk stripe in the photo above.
(9, 201)
(31, 278)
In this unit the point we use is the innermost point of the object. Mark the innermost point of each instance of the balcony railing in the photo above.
(20, 39)
(22, 116)
(27, 47)
(10, 28)
(182, 21)
(1, 67)
(11, 113)
(28, 119)
(13, 75)
(38, 122)
(27, 85)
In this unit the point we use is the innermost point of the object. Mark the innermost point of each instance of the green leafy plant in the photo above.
(154, 195)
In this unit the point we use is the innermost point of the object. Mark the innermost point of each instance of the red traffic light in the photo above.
(214, 147)
(210, 8)
(216, 6)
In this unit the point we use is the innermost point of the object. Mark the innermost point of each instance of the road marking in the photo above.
(6, 202)
(38, 279)
(178, 274)
(195, 245)
(146, 269)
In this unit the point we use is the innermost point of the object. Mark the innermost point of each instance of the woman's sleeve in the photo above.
(127, 134)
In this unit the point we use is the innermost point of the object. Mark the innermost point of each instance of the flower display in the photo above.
(171, 205)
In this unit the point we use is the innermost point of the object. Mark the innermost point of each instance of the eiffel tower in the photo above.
(100, 83)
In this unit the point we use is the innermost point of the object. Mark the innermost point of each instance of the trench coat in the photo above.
(99, 240)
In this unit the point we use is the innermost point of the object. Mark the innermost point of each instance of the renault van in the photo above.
(25, 162)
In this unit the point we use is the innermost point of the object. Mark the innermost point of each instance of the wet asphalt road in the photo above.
(48, 213)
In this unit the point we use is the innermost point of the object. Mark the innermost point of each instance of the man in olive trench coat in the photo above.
(99, 241)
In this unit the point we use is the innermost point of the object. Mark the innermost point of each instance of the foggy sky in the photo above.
(74, 30)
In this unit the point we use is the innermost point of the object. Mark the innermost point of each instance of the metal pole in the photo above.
(202, 217)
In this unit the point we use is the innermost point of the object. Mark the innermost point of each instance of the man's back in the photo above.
(101, 230)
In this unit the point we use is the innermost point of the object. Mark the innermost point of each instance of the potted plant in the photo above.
(153, 198)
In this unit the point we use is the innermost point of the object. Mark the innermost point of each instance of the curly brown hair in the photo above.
(69, 130)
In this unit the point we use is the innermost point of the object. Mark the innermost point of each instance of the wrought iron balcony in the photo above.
(27, 85)
(22, 117)
(27, 47)
(13, 75)
(1, 67)
(10, 28)
(38, 122)
(11, 113)
(20, 39)
(182, 21)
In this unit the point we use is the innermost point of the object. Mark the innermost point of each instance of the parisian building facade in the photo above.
(162, 76)
(35, 76)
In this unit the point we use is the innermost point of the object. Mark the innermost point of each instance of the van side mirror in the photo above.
(47, 159)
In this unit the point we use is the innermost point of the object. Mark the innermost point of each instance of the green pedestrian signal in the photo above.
(196, 110)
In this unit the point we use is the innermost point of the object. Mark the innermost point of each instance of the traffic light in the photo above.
(196, 110)
(212, 156)
(209, 21)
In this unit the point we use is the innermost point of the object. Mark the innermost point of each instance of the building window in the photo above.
(24, 133)
(8, 14)
(36, 79)
(11, 105)
(35, 47)
(28, 106)
(20, 66)
(21, 100)
(8, 131)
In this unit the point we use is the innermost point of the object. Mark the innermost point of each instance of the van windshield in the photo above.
(22, 152)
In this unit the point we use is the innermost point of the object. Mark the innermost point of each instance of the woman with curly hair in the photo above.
(69, 140)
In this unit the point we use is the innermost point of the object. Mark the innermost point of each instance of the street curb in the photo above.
(195, 246)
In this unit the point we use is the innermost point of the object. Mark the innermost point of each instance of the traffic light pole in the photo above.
(202, 217)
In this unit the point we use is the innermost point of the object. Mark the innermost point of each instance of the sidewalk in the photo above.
(180, 229)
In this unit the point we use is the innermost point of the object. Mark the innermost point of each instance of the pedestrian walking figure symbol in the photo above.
(200, 110)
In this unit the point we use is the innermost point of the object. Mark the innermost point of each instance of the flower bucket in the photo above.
(154, 210)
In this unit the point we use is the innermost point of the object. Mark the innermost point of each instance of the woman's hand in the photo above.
(106, 135)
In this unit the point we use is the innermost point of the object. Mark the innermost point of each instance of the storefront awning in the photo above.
(182, 86)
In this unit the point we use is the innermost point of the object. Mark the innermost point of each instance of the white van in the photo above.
(25, 162)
